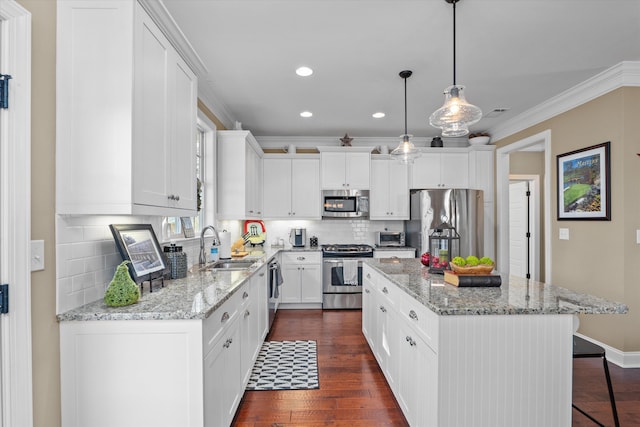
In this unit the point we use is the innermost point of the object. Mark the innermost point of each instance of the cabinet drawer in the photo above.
(423, 320)
(214, 325)
(301, 257)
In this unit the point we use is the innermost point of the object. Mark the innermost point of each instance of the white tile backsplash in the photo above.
(86, 255)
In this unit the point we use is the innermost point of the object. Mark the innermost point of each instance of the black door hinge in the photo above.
(4, 90)
(4, 298)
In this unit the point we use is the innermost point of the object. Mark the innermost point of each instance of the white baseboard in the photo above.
(628, 359)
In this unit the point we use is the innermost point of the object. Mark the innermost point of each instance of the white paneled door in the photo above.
(518, 228)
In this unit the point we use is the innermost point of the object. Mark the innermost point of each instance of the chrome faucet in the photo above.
(203, 257)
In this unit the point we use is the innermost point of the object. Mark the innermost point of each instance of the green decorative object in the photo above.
(122, 290)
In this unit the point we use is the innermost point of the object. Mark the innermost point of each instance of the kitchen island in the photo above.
(454, 356)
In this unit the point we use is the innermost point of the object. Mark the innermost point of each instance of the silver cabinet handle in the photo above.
(368, 275)
(411, 342)
(245, 295)
(301, 258)
(261, 274)
(382, 309)
(227, 343)
(225, 317)
(247, 313)
(413, 315)
(367, 291)
(385, 290)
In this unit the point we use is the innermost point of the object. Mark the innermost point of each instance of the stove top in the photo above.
(347, 250)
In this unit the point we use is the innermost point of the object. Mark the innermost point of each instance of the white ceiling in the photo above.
(510, 54)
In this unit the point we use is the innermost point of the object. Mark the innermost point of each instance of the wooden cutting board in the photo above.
(239, 254)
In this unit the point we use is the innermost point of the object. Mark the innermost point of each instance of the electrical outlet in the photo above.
(37, 255)
(564, 234)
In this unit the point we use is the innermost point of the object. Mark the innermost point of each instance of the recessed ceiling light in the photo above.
(306, 114)
(378, 115)
(304, 71)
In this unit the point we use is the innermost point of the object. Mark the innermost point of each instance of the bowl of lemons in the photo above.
(472, 265)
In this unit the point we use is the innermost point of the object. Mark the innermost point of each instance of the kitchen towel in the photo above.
(225, 244)
(275, 279)
(350, 271)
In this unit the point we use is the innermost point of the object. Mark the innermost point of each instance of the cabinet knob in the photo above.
(301, 258)
(261, 274)
(247, 313)
(293, 213)
(368, 276)
(177, 198)
(382, 309)
(413, 315)
(245, 295)
(385, 290)
(225, 317)
(367, 291)
(410, 340)
(250, 211)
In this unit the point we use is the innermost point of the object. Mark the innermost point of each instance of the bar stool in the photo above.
(584, 349)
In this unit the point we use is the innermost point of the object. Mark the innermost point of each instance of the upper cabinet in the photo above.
(344, 168)
(442, 169)
(291, 187)
(239, 175)
(126, 114)
(482, 170)
(389, 189)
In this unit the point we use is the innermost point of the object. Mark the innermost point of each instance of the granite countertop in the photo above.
(196, 296)
(394, 248)
(514, 296)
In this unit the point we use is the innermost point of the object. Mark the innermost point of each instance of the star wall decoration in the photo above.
(346, 140)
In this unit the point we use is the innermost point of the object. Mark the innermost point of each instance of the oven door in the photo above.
(333, 276)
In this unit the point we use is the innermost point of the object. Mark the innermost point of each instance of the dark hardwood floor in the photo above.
(354, 392)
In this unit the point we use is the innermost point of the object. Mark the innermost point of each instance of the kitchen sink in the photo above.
(229, 265)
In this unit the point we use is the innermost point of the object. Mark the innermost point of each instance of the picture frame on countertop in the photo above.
(187, 226)
(584, 183)
(138, 244)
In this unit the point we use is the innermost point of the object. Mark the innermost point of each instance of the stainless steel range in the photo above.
(342, 275)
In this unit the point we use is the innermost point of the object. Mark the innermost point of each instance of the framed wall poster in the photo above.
(584, 184)
(138, 244)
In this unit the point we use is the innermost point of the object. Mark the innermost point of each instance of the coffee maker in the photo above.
(298, 237)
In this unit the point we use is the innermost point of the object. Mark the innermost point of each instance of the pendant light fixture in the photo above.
(406, 152)
(456, 115)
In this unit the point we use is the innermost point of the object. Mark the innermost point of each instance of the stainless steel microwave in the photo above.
(345, 204)
(390, 238)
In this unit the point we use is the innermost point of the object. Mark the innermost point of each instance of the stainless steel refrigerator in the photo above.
(461, 208)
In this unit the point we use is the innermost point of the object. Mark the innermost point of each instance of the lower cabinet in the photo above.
(163, 373)
(302, 278)
(222, 377)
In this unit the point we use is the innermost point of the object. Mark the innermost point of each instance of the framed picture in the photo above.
(187, 226)
(138, 244)
(584, 184)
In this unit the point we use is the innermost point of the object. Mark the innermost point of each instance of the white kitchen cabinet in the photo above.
(223, 386)
(239, 175)
(302, 278)
(126, 122)
(389, 196)
(444, 169)
(194, 371)
(482, 170)
(291, 188)
(345, 168)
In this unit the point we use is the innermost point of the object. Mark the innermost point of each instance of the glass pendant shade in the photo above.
(456, 115)
(406, 152)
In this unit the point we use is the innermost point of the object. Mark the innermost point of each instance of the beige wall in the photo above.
(601, 257)
(532, 163)
(44, 327)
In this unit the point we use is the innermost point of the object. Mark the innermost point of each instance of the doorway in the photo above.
(15, 217)
(524, 226)
(540, 142)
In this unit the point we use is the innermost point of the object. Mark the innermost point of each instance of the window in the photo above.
(204, 148)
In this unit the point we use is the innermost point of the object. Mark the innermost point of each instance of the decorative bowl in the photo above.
(475, 269)
(479, 140)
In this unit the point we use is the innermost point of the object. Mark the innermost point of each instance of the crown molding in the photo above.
(161, 16)
(626, 73)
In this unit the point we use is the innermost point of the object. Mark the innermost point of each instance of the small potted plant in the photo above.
(479, 138)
